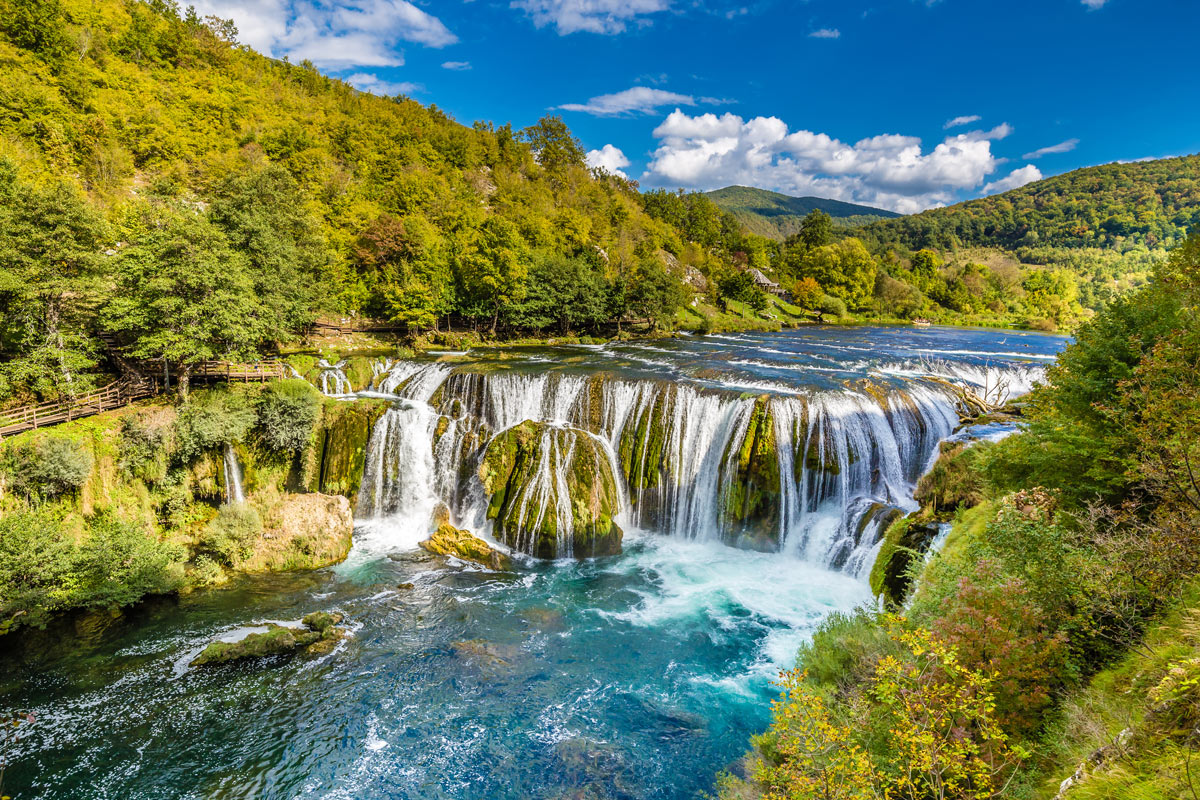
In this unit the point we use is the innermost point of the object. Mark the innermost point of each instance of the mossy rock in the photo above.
(450, 541)
(526, 502)
(954, 481)
(750, 502)
(906, 540)
(317, 636)
(336, 457)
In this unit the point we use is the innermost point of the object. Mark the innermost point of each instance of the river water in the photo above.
(630, 677)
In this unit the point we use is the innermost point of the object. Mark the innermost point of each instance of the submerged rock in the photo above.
(450, 541)
(318, 636)
(552, 492)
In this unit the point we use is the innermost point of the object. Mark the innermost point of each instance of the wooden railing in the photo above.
(357, 326)
(122, 393)
(114, 395)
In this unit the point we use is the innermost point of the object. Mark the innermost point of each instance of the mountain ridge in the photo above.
(777, 215)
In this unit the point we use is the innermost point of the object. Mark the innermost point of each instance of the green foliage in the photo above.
(229, 538)
(209, 421)
(844, 270)
(1152, 204)
(48, 466)
(779, 216)
(287, 412)
(43, 569)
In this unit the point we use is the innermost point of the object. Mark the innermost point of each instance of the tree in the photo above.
(816, 230)
(806, 293)
(184, 296)
(49, 267)
(845, 269)
(265, 217)
(559, 290)
(656, 294)
(553, 144)
(492, 265)
(405, 270)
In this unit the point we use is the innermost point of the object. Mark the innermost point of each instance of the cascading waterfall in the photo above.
(233, 478)
(836, 467)
(334, 382)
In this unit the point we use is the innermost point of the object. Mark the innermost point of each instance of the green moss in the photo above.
(527, 522)
(340, 444)
(750, 504)
(450, 541)
(319, 628)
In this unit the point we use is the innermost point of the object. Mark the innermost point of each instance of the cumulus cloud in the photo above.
(609, 159)
(457, 66)
(959, 121)
(1014, 180)
(368, 82)
(1094, 4)
(890, 171)
(638, 100)
(826, 33)
(1061, 147)
(592, 16)
(363, 33)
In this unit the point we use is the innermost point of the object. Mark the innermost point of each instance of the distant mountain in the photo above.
(1115, 206)
(778, 215)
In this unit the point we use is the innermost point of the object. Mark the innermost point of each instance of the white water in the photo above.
(233, 478)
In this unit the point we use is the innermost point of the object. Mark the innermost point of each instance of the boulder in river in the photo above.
(553, 491)
(318, 634)
(448, 540)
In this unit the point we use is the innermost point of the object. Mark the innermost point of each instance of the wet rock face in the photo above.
(450, 541)
(317, 636)
(750, 501)
(552, 492)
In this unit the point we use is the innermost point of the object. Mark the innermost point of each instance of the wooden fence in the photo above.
(115, 395)
(124, 392)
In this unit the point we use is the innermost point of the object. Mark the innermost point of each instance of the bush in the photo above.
(209, 421)
(229, 537)
(833, 305)
(287, 412)
(49, 467)
(141, 450)
(43, 570)
(955, 479)
(844, 650)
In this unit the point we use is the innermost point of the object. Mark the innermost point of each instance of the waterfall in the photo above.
(817, 475)
(334, 382)
(233, 478)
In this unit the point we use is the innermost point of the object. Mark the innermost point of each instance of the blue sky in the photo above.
(901, 104)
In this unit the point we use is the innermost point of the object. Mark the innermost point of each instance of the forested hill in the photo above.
(1150, 204)
(151, 166)
(778, 216)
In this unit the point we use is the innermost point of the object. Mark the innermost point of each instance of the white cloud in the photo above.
(1061, 147)
(608, 158)
(826, 33)
(964, 120)
(1015, 180)
(890, 171)
(1094, 4)
(457, 66)
(592, 16)
(367, 82)
(638, 100)
(366, 33)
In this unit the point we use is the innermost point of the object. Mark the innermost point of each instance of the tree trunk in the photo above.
(185, 380)
(495, 320)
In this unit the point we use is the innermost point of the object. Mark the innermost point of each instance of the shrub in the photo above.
(211, 420)
(229, 537)
(287, 411)
(43, 570)
(955, 479)
(833, 305)
(49, 467)
(141, 450)
(844, 649)
(117, 564)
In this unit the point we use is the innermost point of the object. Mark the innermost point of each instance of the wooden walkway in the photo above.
(124, 392)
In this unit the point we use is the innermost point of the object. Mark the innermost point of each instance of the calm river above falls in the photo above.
(628, 677)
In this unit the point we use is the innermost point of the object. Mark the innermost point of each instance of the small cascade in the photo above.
(814, 474)
(334, 382)
(233, 478)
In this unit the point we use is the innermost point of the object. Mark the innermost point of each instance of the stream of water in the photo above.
(628, 677)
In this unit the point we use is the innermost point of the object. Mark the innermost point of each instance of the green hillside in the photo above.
(1148, 204)
(778, 216)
